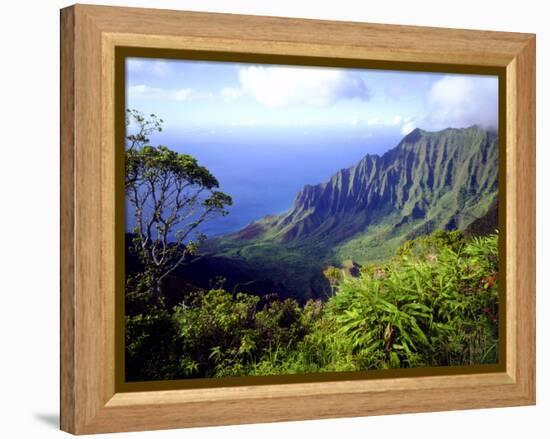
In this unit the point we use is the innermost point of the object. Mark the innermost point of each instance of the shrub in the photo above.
(435, 303)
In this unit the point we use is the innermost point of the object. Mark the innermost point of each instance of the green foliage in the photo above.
(333, 275)
(435, 303)
(153, 164)
(216, 331)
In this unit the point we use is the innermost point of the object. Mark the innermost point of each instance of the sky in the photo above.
(265, 131)
(197, 95)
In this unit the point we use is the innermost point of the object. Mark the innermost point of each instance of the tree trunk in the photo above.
(155, 288)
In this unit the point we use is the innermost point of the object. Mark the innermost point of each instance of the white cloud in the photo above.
(461, 101)
(281, 86)
(230, 93)
(407, 127)
(138, 89)
(396, 120)
(391, 121)
(458, 101)
(143, 91)
(245, 123)
(183, 94)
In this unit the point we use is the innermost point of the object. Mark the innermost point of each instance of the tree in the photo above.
(171, 196)
(145, 127)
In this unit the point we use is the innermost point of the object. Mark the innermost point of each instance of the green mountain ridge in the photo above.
(429, 181)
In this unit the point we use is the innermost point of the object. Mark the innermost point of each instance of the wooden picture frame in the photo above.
(91, 401)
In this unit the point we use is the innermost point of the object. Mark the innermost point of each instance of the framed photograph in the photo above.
(267, 219)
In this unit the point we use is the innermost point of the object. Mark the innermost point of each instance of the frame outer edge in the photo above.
(83, 408)
(91, 352)
(67, 230)
(525, 142)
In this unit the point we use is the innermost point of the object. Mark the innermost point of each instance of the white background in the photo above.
(29, 187)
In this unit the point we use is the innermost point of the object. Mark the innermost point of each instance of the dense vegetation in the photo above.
(434, 303)
(359, 274)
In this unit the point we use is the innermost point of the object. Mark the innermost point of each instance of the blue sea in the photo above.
(264, 169)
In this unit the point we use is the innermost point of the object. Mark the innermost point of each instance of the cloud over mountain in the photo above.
(462, 101)
(459, 101)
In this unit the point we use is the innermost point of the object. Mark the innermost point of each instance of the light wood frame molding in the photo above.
(89, 36)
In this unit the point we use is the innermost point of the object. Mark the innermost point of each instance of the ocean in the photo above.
(264, 169)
